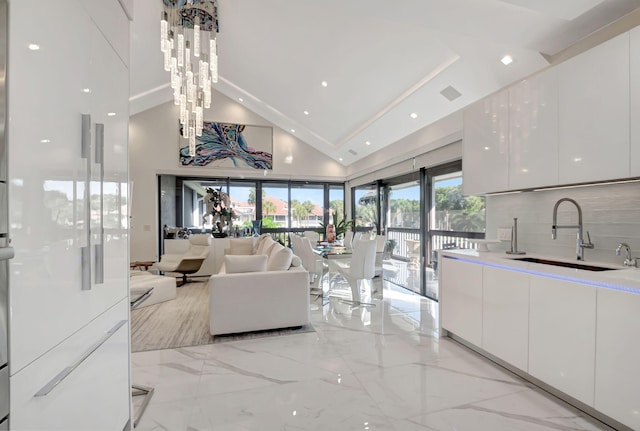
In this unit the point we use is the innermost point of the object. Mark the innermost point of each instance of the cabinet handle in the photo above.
(65, 373)
(86, 154)
(99, 248)
(6, 253)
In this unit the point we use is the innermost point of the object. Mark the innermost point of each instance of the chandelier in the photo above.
(188, 30)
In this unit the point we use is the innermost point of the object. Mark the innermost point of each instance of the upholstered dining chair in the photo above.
(360, 268)
(381, 240)
(189, 262)
(310, 260)
(348, 239)
(312, 236)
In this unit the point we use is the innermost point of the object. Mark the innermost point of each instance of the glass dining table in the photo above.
(332, 251)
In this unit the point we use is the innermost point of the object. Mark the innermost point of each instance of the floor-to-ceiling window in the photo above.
(365, 205)
(282, 206)
(420, 213)
(307, 205)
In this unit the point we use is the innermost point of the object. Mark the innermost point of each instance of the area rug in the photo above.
(184, 322)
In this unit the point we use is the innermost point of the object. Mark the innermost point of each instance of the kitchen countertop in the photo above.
(620, 278)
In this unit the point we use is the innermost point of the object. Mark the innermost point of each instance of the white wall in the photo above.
(611, 213)
(153, 150)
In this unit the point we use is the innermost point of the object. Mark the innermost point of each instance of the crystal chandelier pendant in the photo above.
(188, 30)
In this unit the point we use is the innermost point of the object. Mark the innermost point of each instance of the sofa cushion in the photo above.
(279, 258)
(241, 246)
(245, 263)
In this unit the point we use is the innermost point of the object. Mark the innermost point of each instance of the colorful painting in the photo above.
(230, 146)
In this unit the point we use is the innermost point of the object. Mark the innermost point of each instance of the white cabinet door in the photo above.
(49, 176)
(505, 315)
(593, 119)
(618, 356)
(94, 396)
(533, 131)
(461, 299)
(562, 333)
(635, 101)
(484, 145)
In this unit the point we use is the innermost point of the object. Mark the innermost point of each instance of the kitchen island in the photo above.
(570, 331)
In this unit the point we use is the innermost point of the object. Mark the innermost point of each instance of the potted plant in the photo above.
(341, 227)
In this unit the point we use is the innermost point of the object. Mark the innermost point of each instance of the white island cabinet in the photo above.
(618, 356)
(485, 145)
(505, 315)
(68, 157)
(593, 113)
(572, 331)
(562, 335)
(462, 309)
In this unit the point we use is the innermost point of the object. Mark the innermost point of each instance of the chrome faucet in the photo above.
(629, 261)
(580, 244)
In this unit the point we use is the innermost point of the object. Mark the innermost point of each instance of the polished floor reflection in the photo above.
(368, 368)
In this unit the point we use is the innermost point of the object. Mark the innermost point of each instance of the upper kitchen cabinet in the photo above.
(484, 145)
(533, 131)
(593, 114)
(635, 101)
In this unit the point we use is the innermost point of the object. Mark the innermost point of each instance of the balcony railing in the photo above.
(439, 240)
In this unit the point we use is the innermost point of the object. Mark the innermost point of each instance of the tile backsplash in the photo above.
(610, 213)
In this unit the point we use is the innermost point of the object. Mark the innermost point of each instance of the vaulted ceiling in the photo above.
(382, 61)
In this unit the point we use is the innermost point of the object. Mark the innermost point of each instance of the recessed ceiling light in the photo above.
(45, 141)
(293, 130)
(241, 99)
(34, 47)
(368, 143)
(324, 83)
(340, 159)
(306, 112)
(86, 90)
(111, 114)
(506, 60)
(413, 115)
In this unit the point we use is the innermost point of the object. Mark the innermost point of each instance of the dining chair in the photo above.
(312, 236)
(360, 268)
(381, 240)
(348, 239)
(310, 260)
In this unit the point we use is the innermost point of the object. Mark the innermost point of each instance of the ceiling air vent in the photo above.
(451, 93)
(353, 152)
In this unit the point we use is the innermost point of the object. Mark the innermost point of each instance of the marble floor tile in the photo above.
(377, 368)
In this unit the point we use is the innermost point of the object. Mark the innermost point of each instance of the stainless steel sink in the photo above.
(575, 265)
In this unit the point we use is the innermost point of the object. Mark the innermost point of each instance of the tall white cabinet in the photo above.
(68, 172)
(593, 107)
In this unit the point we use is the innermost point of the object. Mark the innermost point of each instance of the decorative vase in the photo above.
(257, 224)
(331, 233)
(219, 234)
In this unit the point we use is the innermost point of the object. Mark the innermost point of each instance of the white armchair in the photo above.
(189, 262)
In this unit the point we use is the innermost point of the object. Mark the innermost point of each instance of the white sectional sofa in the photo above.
(260, 286)
(164, 288)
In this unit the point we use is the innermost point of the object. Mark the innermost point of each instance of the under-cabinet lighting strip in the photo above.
(599, 284)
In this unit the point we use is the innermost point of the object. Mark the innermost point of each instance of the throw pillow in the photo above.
(279, 258)
(259, 241)
(248, 263)
(296, 261)
(241, 245)
(265, 246)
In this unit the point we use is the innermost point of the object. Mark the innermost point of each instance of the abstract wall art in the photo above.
(230, 146)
